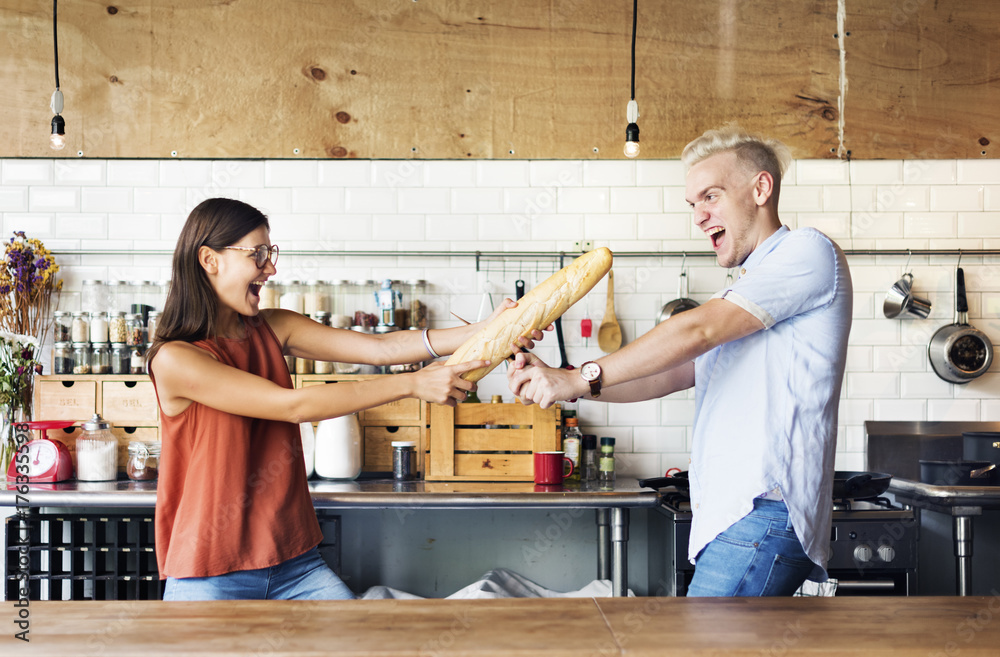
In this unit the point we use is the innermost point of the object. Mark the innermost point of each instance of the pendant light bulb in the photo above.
(632, 131)
(58, 139)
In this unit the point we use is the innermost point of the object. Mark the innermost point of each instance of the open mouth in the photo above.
(716, 234)
(255, 288)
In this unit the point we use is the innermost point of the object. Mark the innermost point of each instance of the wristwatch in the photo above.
(591, 373)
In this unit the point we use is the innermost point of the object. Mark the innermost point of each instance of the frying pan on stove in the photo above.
(846, 485)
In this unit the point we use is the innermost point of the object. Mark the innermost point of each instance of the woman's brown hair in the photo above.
(191, 307)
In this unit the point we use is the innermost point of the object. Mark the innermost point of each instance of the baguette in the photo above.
(535, 310)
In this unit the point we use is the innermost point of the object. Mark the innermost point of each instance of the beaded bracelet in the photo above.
(427, 344)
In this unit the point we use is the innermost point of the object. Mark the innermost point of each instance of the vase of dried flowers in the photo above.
(27, 284)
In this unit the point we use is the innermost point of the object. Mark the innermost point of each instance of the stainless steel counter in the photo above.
(962, 503)
(611, 506)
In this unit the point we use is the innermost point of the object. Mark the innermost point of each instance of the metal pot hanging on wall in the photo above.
(960, 352)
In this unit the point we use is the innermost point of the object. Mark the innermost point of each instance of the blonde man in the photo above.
(766, 357)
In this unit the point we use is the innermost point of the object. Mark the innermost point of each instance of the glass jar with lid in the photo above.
(94, 296)
(154, 319)
(133, 330)
(100, 358)
(116, 327)
(415, 290)
(80, 329)
(99, 326)
(143, 460)
(63, 326)
(120, 358)
(291, 297)
(136, 360)
(270, 295)
(143, 296)
(96, 451)
(316, 298)
(81, 358)
(341, 316)
(62, 358)
(118, 295)
(364, 304)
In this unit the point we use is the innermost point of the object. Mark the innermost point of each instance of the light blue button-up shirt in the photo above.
(766, 405)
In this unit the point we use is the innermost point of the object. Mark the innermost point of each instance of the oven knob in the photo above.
(862, 554)
(886, 553)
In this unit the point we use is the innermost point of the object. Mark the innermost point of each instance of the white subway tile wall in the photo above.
(630, 206)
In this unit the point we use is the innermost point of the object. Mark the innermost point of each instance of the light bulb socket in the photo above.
(632, 133)
(58, 125)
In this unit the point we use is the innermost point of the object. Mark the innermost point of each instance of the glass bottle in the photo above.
(100, 358)
(143, 461)
(96, 451)
(133, 330)
(588, 458)
(81, 358)
(62, 358)
(606, 464)
(80, 329)
(116, 327)
(63, 326)
(120, 355)
(99, 326)
(571, 444)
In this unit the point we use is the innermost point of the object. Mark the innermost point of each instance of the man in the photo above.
(766, 357)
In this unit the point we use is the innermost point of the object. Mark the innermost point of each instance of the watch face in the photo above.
(590, 371)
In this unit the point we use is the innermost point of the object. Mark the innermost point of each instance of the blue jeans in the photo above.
(759, 555)
(305, 577)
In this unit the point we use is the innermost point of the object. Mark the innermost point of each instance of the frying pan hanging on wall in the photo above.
(960, 352)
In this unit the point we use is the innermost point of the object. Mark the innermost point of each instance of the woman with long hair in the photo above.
(234, 518)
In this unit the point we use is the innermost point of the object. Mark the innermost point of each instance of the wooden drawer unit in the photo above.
(405, 419)
(65, 398)
(131, 403)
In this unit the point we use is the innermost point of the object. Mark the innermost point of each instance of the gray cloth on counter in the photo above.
(499, 583)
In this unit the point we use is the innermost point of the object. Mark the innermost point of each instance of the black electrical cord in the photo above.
(635, 10)
(55, 40)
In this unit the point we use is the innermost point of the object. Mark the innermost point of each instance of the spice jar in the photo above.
(588, 459)
(133, 330)
(99, 326)
(94, 296)
(63, 327)
(81, 358)
(136, 362)
(119, 296)
(316, 298)
(96, 451)
(62, 358)
(291, 297)
(120, 355)
(404, 456)
(80, 329)
(416, 289)
(143, 461)
(154, 319)
(116, 326)
(270, 295)
(606, 464)
(100, 358)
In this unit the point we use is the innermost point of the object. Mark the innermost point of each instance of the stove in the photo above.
(873, 546)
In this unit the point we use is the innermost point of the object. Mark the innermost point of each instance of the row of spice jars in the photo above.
(111, 296)
(102, 327)
(347, 302)
(97, 358)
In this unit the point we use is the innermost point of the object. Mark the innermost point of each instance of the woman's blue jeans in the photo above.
(305, 577)
(759, 555)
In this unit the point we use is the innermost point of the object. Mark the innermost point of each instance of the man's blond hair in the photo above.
(753, 152)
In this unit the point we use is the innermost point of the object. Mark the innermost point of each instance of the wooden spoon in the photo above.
(609, 335)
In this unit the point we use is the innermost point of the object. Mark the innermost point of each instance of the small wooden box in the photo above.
(479, 442)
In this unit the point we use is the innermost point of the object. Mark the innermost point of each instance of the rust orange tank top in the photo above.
(232, 492)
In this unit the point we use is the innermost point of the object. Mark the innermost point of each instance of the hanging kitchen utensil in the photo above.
(682, 302)
(609, 335)
(899, 299)
(959, 352)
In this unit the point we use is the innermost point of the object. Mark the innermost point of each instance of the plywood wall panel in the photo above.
(463, 79)
(923, 78)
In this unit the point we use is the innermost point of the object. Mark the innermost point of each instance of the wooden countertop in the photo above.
(881, 626)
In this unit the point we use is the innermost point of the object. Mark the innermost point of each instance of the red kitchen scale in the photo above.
(48, 460)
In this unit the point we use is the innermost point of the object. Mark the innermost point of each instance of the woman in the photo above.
(234, 519)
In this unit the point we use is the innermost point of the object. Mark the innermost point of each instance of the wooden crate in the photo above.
(476, 442)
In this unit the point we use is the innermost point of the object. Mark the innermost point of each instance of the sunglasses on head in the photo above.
(261, 253)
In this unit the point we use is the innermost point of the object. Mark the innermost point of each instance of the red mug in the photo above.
(549, 467)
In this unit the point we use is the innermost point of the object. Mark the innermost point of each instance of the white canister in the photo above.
(338, 448)
(308, 446)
